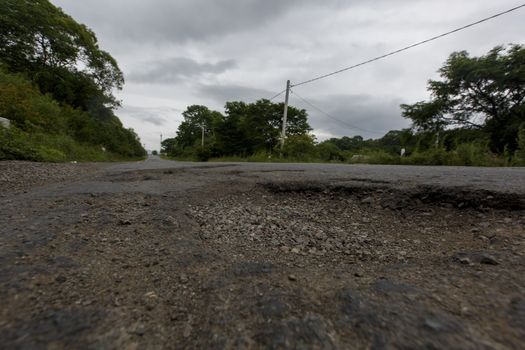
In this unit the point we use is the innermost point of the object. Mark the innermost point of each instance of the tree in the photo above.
(348, 143)
(196, 118)
(169, 147)
(58, 53)
(56, 80)
(484, 92)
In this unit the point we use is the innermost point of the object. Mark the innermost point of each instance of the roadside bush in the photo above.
(300, 147)
(14, 144)
(46, 154)
(434, 156)
(519, 155)
(43, 130)
(203, 154)
(329, 152)
(473, 154)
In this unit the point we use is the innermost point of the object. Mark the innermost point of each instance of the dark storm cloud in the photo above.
(224, 93)
(181, 20)
(177, 69)
(155, 116)
(365, 115)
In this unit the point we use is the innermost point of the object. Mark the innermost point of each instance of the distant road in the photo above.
(493, 179)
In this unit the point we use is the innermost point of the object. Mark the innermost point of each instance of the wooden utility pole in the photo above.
(285, 115)
(202, 142)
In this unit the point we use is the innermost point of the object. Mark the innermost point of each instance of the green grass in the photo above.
(16, 144)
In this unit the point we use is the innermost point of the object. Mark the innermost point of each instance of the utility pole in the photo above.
(202, 143)
(285, 115)
(160, 149)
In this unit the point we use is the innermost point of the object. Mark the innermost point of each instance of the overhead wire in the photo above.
(332, 117)
(277, 95)
(408, 47)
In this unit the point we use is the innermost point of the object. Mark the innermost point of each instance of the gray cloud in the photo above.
(350, 115)
(176, 69)
(181, 20)
(158, 116)
(225, 93)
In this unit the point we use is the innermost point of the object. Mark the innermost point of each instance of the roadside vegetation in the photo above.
(476, 117)
(56, 89)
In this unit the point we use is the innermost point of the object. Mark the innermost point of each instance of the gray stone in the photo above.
(6, 123)
(488, 260)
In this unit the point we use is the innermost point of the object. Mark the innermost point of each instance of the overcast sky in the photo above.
(175, 53)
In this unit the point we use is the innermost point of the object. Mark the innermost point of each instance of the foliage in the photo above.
(63, 132)
(203, 154)
(478, 93)
(169, 146)
(519, 157)
(56, 81)
(245, 129)
(40, 40)
(329, 152)
(16, 144)
(300, 147)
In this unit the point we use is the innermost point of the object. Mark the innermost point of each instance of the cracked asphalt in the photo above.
(164, 254)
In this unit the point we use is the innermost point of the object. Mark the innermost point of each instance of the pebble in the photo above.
(183, 279)
(187, 331)
(140, 330)
(367, 200)
(465, 261)
(292, 278)
(489, 260)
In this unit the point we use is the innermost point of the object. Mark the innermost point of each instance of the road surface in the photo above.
(163, 254)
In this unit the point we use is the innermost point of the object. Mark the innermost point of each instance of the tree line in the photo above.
(476, 116)
(243, 130)
(56, 87)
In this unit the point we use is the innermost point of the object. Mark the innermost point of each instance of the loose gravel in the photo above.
(16, 176)
(141, 255)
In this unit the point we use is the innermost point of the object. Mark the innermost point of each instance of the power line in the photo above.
(409, 47)
(332, 117)
(279, 94)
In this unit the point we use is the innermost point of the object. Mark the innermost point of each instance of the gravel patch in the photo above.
(17, 176)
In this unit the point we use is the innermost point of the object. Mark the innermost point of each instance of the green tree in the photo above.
(196, 118)
(484, 92)
(259, 125)
(56, 81)
(58, 53)
(169, 147)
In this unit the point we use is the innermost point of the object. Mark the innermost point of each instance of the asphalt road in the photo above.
(508, 180)
(165, 254)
